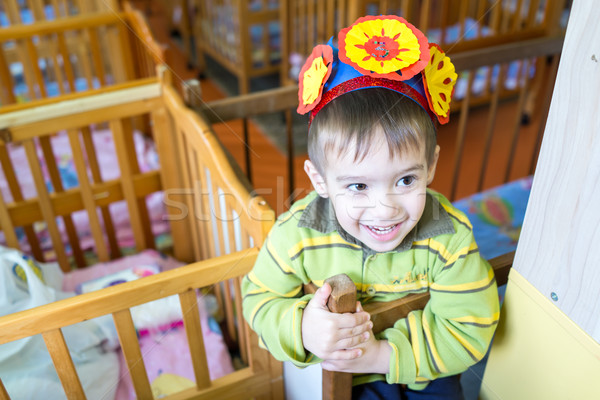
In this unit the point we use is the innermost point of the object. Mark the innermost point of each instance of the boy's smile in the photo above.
(378, 199)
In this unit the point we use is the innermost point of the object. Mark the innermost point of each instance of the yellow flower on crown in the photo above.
(313, 75)
(384, 47)
(439, 80)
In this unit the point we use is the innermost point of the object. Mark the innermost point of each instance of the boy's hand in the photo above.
(374, 358)
(332, 336)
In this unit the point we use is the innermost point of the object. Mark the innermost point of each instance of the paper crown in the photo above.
(379, 51)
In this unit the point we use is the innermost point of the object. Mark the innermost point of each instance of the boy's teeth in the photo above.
(382, 230)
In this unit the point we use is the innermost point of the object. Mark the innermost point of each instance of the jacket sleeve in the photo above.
(273, 301)
(455, 328)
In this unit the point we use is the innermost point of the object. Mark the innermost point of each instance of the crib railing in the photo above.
(213, 215)
(74, 53)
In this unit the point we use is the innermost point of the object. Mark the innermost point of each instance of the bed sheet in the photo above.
(109, 169)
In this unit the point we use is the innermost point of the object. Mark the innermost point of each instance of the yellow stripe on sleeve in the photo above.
(264, 288)
(484, 321)
(412, 326)
(396, 354)
(434, 353)
(465, 287)
(259, 305)
(465, 343)
(293, 307)
(282, 264)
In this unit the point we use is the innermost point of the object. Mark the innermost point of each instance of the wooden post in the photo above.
(338, 385)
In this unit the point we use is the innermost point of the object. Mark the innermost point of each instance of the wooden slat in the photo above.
(55, 342)
(45, 205)
(191, 317)
(189, 175)
(7, 226)
(56, 182)
(94, 166)
(460, 139)
(489, 132)
(15, 190)
(87, 196)
(126, 166)
(132, 353)
(96, 51)
(6, 92)
(240, 322)
(3, 393)
(67, 64)
(517, 120)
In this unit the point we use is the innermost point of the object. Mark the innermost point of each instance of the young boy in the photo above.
(374, 101)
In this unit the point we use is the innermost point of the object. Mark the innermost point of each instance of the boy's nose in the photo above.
(387, 207)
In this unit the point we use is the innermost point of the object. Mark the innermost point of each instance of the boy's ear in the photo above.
(433, 165)
(316, 178)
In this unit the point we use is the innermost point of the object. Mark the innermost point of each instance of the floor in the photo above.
(269, 165)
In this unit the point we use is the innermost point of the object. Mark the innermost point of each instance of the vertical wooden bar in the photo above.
(56, 181)
(310, 23)
(87, 196)
(166, 145)
(460, 139)
(94, 167)
(133, 355)
(7, 225)
(193, 330)
(3, 393)
(127, 168)
(545, 109)
(425, 13)
(17, 195)
(96, 51)
(240, 322)
(67, 65)
(517, 17)
(57, 347)
(46, 205)
(490, 129)
(195, 200)
(25, 49)
(517, 122)
(7, 95)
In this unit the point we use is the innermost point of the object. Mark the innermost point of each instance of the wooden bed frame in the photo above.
(97, 47)
(214, 217)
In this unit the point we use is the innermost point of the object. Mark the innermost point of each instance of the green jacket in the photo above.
(306, 245)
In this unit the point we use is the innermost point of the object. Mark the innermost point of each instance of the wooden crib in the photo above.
(94, 48)
(214, 218)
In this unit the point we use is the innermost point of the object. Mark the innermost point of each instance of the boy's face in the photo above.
(379, 199)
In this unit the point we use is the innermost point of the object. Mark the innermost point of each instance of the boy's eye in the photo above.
(357, 187)
(406, 181)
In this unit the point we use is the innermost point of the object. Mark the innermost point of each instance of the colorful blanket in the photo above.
(497, 216)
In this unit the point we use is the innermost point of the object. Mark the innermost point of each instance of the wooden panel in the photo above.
(556, 250)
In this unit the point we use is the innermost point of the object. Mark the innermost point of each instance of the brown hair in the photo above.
(354, 117)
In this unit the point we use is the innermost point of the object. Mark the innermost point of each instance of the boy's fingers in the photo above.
(351, 320)
(322, 295)
(355, 340)
(346, 354)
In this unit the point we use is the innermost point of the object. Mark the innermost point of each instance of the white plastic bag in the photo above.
(26, 368)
